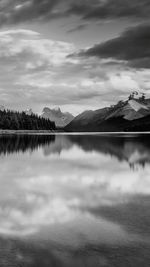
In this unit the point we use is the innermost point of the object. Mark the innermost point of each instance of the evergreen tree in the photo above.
(12, 120)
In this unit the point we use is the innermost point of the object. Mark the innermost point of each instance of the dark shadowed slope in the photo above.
(131, 115)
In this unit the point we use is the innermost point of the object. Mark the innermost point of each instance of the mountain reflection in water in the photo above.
(76, 200)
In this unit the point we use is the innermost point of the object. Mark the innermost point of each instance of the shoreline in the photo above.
(12, 132)
(52, 132)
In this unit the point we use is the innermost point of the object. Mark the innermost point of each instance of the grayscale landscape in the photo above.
(74, 133)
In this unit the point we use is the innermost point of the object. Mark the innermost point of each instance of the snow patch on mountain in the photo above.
(136, 106)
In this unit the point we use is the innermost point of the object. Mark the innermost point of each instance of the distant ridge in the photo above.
(130, 115)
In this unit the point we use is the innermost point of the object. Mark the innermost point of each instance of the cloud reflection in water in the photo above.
(75, 189)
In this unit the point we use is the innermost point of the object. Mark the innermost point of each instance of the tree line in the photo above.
(13, 120)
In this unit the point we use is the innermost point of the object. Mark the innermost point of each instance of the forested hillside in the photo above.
(12, 120)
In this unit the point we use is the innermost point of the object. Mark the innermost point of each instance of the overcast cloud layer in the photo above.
(73, 54)
(16, 11)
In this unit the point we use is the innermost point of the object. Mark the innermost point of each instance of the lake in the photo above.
(75, 200)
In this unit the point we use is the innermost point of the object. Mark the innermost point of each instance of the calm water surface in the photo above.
(75, 200)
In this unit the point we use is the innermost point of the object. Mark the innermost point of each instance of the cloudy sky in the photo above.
(76, 54)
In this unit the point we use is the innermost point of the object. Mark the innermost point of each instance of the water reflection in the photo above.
(75, 200)
(134, 149)
(22, 143)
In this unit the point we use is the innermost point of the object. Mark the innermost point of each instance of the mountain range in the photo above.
(130, 115)
(60, 118)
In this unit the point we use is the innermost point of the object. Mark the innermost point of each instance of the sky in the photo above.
(75, 54)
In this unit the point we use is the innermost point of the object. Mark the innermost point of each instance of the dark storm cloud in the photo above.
(16, 11)
(110, 9)
(132, 46)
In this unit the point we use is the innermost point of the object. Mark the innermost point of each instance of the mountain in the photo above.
(61, 119)
(130, 115)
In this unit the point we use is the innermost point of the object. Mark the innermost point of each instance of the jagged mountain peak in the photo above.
(137, 105)
(60, 118)
(129, 110)
(56, 109)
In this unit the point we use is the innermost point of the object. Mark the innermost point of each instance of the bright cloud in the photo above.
(18, 42)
